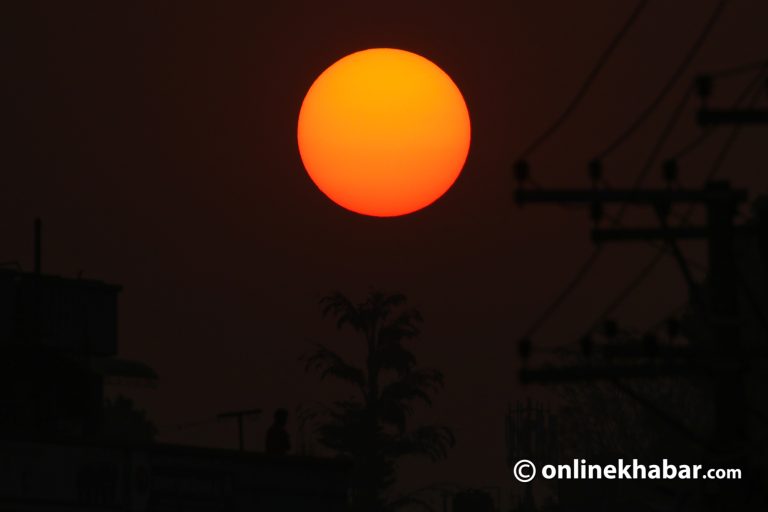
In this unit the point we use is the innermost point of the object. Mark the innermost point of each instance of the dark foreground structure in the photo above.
(63, 446)
(40, 476)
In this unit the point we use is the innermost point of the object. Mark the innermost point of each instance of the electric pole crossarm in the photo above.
(635, 196)
(645, 234)
(690, 363)
(640, 349)
(708, 117)
(545, 375)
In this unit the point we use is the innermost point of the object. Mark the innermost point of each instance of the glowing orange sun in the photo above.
(383, 132)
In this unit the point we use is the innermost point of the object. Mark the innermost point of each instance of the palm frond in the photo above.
(393, 356)
(372, 430)
(417, 385)
(395, 414)
(404, 326)
(386, 302)
(343, 309)
(330, 364)
(427, 441)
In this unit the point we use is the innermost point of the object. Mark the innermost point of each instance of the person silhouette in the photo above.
(278, 442)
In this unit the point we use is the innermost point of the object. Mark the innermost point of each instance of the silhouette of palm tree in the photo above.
(371, 429)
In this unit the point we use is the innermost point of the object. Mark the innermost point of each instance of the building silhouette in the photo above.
(58, 449)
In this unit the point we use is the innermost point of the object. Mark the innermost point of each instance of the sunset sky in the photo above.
(157, 141)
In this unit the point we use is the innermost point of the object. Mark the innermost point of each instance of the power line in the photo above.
(647, 269)
(658, 146)
(622, 296)
(737, 70)
(692, 52)
(629, 288)
(700, 138)
(590, 79)
(676, 311)
(752, 93)
(565, 293)
(592, 260)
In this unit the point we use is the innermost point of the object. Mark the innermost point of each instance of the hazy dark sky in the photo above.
(157, 142)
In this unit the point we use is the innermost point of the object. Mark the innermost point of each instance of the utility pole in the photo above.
(720, 202)
(723, 357)
(730, 420)
(709, 117)
(734, 116)
(239, 415)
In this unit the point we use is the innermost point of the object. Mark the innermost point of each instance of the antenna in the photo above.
(38, 242)
(239, 415)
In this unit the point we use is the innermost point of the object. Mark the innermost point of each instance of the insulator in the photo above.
(595, 170)
(596, 211)
(673, 328)
(704, 86)
(586, 345)
(650, 344)
(522, 170)
(524, 348)
(663, 208)
(669, 170)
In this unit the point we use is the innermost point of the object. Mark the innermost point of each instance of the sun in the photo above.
(383, 132)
